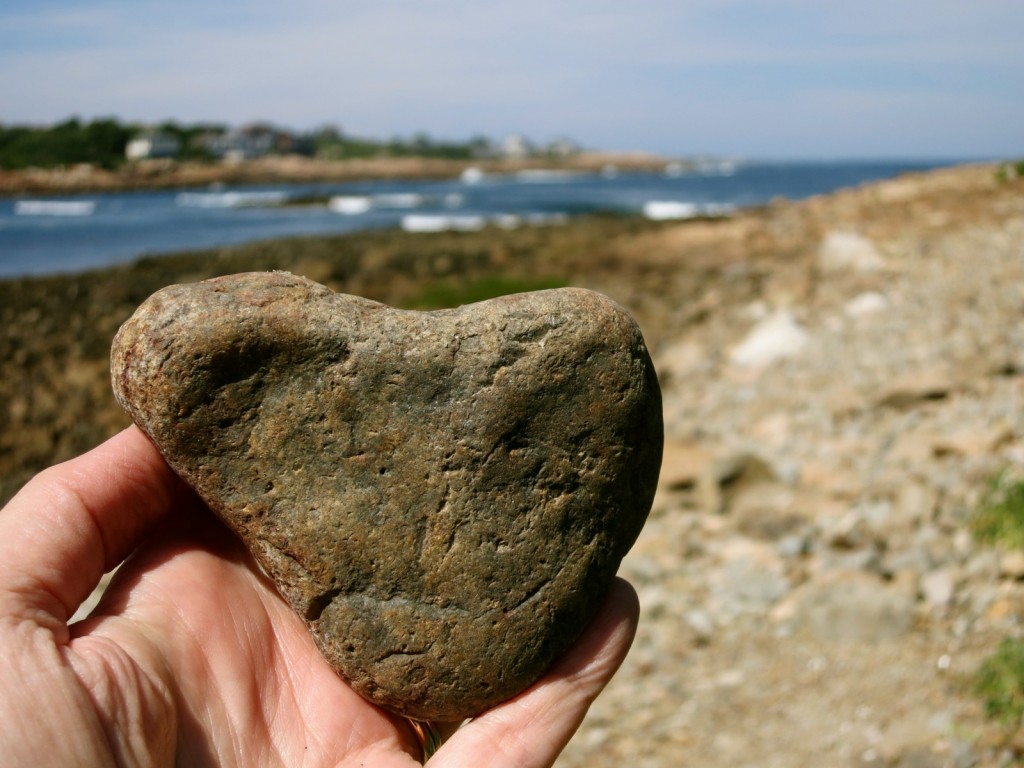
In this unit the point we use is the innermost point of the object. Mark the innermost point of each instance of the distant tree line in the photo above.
(102, 142)
(330, 143)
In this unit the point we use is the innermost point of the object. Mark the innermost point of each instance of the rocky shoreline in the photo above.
(842, 378)
(279, 169)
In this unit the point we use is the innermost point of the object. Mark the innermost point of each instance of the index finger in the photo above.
(76, 520)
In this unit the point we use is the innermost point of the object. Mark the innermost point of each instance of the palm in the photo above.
(204, 640)
(193, 659)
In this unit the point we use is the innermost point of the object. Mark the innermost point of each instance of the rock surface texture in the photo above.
(444, 497)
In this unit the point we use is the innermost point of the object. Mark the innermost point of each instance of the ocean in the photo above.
(70, 233)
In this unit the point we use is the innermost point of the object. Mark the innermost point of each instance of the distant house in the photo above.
(152, 145)
(247, 143)
(516, 146)
(562, 147)
(237, 145)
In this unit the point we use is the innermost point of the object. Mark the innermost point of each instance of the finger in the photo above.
(246, 668)
(531, 730)
(74, 521)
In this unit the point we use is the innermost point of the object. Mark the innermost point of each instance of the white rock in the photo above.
(702, 625)
(777, 337)
(938, 588)
(868, 303)
(843, 251)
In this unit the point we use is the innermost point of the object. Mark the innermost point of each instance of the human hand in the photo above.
(192, 658)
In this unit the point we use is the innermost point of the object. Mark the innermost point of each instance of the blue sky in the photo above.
(768, 79)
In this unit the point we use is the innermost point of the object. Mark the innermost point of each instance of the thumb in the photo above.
(74, 521)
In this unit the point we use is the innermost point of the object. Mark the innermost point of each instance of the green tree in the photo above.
(101, 142)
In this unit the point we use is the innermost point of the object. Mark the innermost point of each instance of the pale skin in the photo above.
(192, 658)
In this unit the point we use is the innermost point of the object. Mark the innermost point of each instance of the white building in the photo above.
(517, 147)
(150, 145)
(562, 147)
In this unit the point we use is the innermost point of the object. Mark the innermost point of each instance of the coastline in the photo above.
(56, 329)
(809, 550)
(170, 174)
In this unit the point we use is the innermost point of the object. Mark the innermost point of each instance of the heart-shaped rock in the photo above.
(444, 497)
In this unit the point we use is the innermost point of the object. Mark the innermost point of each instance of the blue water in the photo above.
(41, 235)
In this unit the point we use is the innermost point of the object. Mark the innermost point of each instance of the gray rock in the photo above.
(857, 608)
(443, 497)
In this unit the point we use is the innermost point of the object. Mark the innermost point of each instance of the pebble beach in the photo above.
(843, 377)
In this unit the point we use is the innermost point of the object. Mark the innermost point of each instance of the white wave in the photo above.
(508, 221)
(353, 205)
(675, 169)
(350, 205)
(546, 219)
(230, 199)
(544, 175)
(54, 207)
(663, 210)
(473, 223)
(440, 223)
(717, 167)
(454, 200)
(472, 175)
(666, 210)
(398, 200)
(515, 220)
